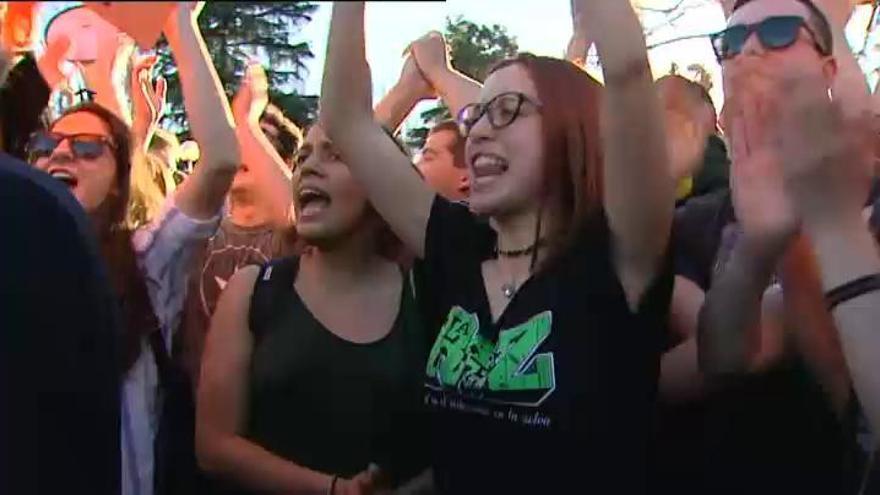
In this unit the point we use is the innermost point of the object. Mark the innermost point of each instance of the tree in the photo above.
(474, 48)
(236, 32)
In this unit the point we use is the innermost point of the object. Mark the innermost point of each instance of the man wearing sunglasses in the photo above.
(779, 420)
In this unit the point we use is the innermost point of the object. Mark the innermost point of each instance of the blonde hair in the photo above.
(151, 182)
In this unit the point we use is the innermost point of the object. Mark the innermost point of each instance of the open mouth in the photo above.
(487, 164)
(486, 168)
(312, 201)
(64, 176)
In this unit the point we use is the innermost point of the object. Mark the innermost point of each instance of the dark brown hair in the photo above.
(289, 137)
(570, 100)
(114, 237)
(457, 146)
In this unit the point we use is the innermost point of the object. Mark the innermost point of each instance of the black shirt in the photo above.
(324, 402)
(557, 394)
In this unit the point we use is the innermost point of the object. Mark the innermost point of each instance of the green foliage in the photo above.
(474, 49)
(236, 32)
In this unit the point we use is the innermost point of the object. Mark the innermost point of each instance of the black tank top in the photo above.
(324, 402)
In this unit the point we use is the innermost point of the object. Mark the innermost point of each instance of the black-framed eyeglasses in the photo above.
(774, 33)
(82, 145)
(502, 110)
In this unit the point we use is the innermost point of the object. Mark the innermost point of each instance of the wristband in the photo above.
(851, 290)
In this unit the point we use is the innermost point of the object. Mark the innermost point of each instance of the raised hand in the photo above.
(763, 207)
(431, 55)
(827, 156)
(579, 43)
(147, 98)
(253, 95)
(415, 81)
(838, 11)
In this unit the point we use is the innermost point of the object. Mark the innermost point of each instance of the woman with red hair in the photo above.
(548, 320)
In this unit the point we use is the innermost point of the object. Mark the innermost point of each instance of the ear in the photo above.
(829, 70)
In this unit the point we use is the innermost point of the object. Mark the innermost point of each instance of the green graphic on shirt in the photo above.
(509, 369)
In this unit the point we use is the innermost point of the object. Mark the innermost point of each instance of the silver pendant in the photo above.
(508, 290)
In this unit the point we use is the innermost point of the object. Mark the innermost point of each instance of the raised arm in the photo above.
(203, 193)
(147, 100)
(271, 174)
(639, 194)
(222, 405)
(454, 88)
(394, 187)
(580, 42)
(849, 88)
(828, 167)
(410, 89)
(740, 325)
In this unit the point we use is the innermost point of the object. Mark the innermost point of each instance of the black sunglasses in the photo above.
(82, 146)
(774, 33)
(501, 111)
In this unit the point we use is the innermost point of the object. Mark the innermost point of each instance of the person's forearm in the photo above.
(255, 468)
(639, 193)
(209, 116)
(345, 91)
(271, 175)
(812, 326)
(730, 319)
(456, 90)
(846, 251)
(395, 106)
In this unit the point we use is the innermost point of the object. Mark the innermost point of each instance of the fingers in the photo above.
(161, 90)
(145, 63)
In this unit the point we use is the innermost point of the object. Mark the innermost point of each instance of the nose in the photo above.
(752, 46)
(62, 152)
(481, 131)
(311, 166)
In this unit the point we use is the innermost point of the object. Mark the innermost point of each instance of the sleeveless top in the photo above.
(326, 403)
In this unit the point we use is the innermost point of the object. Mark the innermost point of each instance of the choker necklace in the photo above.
(516, 253)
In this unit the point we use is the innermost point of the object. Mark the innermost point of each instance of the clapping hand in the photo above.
(763, 206)
(253, 95)
(148, 97)
(827, 157)
(431, 55)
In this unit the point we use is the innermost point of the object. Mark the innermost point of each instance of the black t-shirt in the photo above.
(557, 394)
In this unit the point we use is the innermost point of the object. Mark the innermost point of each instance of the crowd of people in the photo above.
(573, 287)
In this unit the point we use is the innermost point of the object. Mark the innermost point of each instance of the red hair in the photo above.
(570, 100)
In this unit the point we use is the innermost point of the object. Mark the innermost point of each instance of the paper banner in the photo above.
(143, 21)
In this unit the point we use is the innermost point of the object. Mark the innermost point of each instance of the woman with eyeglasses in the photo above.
(90, 150)
(548, 321)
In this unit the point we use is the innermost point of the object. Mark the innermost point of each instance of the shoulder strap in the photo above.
(274, 282)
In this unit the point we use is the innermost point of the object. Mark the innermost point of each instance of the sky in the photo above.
(542, 27)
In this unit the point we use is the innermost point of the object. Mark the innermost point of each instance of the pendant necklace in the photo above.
(509, 289)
